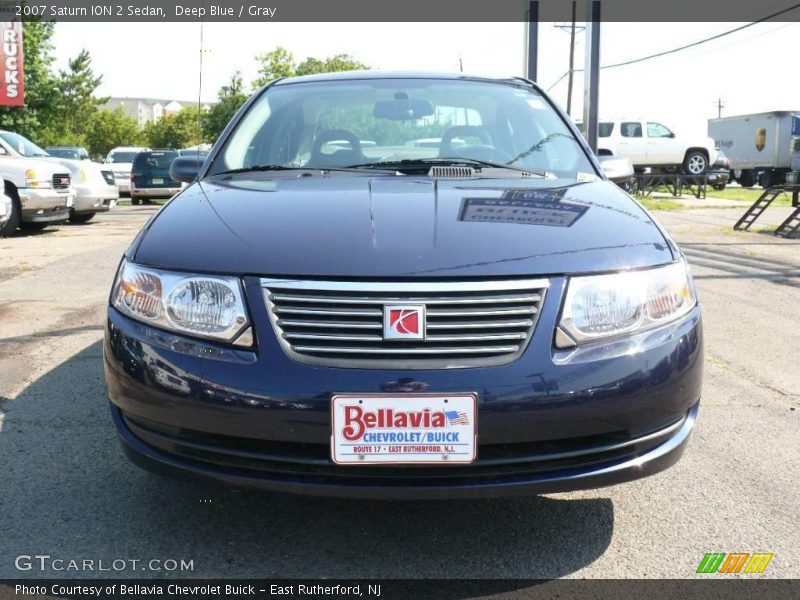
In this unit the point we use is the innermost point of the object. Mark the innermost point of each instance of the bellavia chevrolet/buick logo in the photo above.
(404, 322)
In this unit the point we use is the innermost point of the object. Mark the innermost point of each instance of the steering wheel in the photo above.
(341, 157)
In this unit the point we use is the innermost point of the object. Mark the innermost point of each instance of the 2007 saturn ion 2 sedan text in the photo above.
(403, 286)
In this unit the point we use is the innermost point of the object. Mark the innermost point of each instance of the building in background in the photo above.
(147, 110)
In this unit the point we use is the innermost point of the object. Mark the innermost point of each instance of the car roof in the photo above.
(128, 149)
(353, 75)
(66, 147)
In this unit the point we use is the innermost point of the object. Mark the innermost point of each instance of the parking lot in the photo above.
(66, 489)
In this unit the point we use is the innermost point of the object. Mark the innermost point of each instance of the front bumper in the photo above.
(547, 421)
(95, 199)
(44, 205)
(154, 192)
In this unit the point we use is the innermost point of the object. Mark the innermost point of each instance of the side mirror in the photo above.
(185, 168)
(616, 168)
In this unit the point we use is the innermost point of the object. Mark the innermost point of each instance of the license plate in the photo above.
(157, 181)
(404, 429)
(70, 201)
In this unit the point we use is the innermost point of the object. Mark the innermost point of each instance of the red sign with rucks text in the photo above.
(12, 82)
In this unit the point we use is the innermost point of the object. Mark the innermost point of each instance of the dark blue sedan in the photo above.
(403, 286)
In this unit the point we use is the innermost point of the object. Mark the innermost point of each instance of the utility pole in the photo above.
(591, 73)
(571, 58)
(573, 28)
(532, 40)
(720, 106)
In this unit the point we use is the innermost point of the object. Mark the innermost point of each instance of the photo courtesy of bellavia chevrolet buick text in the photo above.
(403, 285)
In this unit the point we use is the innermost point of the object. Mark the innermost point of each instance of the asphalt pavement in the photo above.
(67, 491)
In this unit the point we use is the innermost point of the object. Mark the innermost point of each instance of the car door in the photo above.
(663, 148)
(632, 143)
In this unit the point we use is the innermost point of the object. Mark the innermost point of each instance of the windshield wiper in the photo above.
(421, 163)
(261, 168)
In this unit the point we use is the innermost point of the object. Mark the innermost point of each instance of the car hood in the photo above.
(16, 166)
(356, 226)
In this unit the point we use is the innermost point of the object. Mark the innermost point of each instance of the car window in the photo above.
(154, 160)
(122, 157)
(605, 129)
(64, 153)
(22, 145)
(631, 129)
(657, 130)
(340, 123)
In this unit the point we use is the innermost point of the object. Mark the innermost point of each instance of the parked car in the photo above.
(69, 152)
(94, 187)
(40, 190)
(651, 144)
(719, 174)
(150, 176)
(494, 318)
(121, 161)
(195, 152)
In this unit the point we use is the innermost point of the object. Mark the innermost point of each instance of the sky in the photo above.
(748, 70)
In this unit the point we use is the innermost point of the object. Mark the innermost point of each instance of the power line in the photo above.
(692, 45)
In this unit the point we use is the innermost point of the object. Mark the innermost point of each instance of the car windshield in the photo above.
(22, 145)
(64, 153)
(121, 157)
(372, 122)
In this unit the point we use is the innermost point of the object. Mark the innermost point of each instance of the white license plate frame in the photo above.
(390, 444)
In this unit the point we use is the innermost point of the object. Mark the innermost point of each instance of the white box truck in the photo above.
(760, 146)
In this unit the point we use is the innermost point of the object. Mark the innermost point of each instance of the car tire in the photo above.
(719, 187)
(135, 200)
(695, 163)
(16, 213)
(747, 178)
(81, 217)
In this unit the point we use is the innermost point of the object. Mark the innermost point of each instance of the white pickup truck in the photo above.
(649, 143)
(41, 192)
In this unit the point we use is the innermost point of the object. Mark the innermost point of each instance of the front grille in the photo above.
(109, 177)
(61, 181)
(341, 324)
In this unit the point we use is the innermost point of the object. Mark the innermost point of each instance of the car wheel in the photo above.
(719, 187)
(695, 163)
(81, 217)
(135, 200)
(14, 220)
(747, 178)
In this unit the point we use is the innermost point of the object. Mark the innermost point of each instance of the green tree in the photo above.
(280, 63)
(78, 104)
(108, 129)
(274, 64)
(41, 90)
(230, 99)
(334, 64)
(175, 131)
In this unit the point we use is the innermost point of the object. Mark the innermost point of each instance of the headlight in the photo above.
(604, 306)
(32, 180)
(200, 305)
